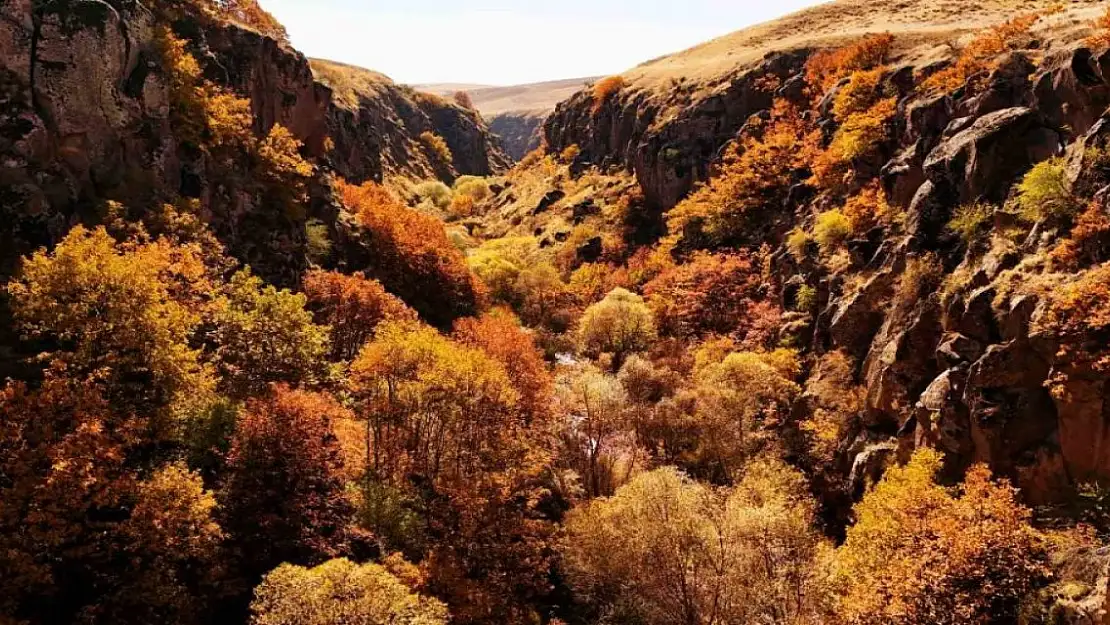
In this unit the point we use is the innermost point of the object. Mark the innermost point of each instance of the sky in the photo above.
(509, 42)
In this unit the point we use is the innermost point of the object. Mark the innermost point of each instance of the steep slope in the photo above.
(675, 113)
(377, 126)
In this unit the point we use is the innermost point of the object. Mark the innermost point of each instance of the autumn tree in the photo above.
(980, 56)
(352, 306)
(501, 337)
(754, 176)
(410, 254)
(711, 295)
(668, 550)
(121, 315)
(741, 404)
(923, 553)
(85, 538)
(597, 442)
(434, 408)
(828, 67)
(340, 591)
(284, 498)
(463, 99)
(263, 335)
(621, 324)
(447, 432)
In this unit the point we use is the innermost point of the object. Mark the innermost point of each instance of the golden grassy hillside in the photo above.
(924, 27)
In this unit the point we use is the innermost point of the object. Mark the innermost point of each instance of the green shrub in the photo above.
(473, 187)
(831, 230)
(436, 147)
(797, 243)
(1044, 193)
(971, 220)
(435, 192)
(318, 247)
(806, 300)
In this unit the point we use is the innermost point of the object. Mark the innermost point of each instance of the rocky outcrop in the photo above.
(668, 139)
(375, 125)
(85, 118)
(520, 131)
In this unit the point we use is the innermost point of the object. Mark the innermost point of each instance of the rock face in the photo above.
(376, 126)
(85, 118)
(666, 139)
(520, 132)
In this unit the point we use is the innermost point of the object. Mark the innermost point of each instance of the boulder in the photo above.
(982, 161)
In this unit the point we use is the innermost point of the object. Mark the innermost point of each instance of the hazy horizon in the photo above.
(510, 42)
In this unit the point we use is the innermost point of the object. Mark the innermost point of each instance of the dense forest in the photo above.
(267, 390)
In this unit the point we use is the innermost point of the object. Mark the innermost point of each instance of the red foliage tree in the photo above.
(284, 498)
(352, 306)
(711, 294)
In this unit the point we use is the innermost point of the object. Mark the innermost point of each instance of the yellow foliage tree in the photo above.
(670, 551)
(340, 591)
(922, 553)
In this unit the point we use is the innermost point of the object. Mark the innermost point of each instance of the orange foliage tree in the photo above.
(1078, 316)
(410, 254)
(604, 90)
(710, 294)
(828, 67)
(501, 337)
(352, 306)
(980, 55)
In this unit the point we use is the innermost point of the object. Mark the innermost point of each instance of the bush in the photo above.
(857, 137)
(318, 245)
(921, 278)
(858, 95)
(869, 208)
(473, 187)
(979, 56)
(464, 100)
(570, 153)
(435, 192)
(828, 67)
(797, 243)
(605, 89)
(1044, 193)
(971, 221)
(831, 230)
(620, 324)
(806, 299)
(436, 148)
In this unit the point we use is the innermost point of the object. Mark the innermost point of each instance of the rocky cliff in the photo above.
(520, 131)
(85, 118)
(376, 126)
